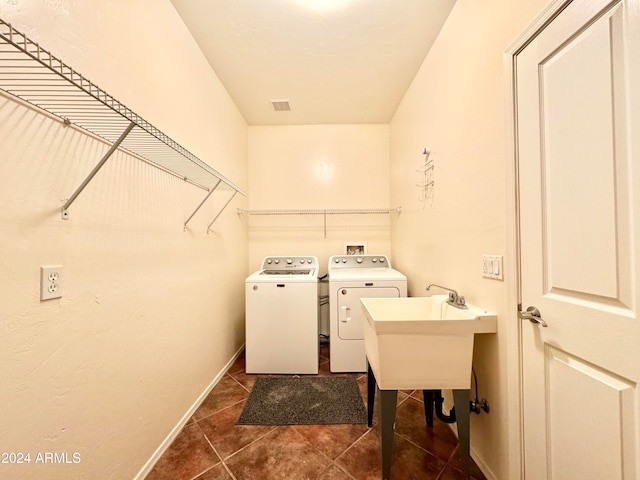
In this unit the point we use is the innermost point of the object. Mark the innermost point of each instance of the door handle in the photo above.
(344, 314)
(533, 315)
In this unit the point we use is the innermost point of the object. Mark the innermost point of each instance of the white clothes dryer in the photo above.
(281, 324)
(352, 277)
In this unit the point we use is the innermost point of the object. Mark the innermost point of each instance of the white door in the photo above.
(578, 145)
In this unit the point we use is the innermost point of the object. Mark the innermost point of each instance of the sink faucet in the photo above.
(455, 300)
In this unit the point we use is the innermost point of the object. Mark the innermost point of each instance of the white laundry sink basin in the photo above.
(422, 342)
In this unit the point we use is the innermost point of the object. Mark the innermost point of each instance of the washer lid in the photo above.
(264, 277)
(281, 269)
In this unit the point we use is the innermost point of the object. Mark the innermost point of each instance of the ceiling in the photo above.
(335, 61)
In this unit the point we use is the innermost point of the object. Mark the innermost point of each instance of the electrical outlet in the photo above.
(50, 282)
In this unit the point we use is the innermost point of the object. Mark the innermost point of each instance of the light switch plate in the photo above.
(492, 267)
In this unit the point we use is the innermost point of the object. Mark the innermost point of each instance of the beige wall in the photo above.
(456, 106)
(150, 314)
(317, 167)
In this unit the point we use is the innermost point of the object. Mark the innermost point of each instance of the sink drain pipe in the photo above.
(439, 401)
(433, 398)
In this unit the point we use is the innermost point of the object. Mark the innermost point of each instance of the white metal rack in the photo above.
(323, 212)
(35, 76)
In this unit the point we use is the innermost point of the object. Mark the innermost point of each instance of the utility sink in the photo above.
(422, 342)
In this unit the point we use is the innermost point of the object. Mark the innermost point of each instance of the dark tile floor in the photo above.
(212, 447)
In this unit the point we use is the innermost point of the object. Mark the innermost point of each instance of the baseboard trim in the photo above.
(484, 468)
(482, 465)
(148, 466)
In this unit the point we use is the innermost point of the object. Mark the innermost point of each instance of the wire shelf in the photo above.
(35, 76)
(328, 212)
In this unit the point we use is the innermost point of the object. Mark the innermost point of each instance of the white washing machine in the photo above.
(352, 277)
(282, 316)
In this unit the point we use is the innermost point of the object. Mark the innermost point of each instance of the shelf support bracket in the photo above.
(221, 210)
(325, 223)
(201, 203)
(114, 147)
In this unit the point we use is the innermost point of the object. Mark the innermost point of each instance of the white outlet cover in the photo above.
(50, 282)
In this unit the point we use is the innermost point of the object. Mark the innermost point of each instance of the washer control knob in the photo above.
(381, 259)
(276, 261)
(269, 261)
(374, 260)
(337, 260)
(344, 260)
(255, 287)
(359, 259)
(289, 261)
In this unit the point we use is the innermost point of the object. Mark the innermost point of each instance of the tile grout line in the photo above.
(218, 411)
(214, 451)
(334, 464)
(238, 382)
(224, 460)
(357, 440)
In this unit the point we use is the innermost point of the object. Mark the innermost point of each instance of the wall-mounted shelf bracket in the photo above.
(201, 203)
(114, 147)
(223, 207)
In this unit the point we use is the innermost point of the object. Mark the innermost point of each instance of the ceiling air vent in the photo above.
(281, 105)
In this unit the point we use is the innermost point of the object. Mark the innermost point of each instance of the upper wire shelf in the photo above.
(324, 212)
(34, 75)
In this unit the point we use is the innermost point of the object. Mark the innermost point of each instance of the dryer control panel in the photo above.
(359, 261)
(289, 263)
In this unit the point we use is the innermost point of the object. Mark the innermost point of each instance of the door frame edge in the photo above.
(515, 398)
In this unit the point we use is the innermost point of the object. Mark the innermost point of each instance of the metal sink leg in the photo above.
(461, 401)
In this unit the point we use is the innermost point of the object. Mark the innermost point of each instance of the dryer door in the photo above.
(350, 312)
